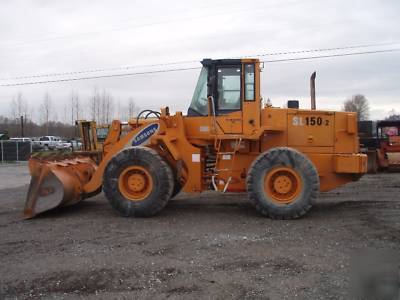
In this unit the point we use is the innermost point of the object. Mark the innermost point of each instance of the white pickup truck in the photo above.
(48, 142)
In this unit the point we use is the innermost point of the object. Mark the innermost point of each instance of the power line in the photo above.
(99, 70)
(100, 76)
(326, 49)
(194, 68)
(190, 61)
(332, 55)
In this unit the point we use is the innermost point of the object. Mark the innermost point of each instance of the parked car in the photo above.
(35, 144)
(64, 145)
(4, 136)
(76, 144)
(48, 142)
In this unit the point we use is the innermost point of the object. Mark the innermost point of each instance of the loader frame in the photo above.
(228, 142)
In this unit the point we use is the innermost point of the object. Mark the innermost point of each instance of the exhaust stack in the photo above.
(312, 90)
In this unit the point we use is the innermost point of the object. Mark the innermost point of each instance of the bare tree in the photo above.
(105, 108)
(101, 107)
(19, 107)
(21, 112)
(55, 128)
(94, 105)
(133, 109)
(393, 115)
(46, 110)
(109, 108)
(66, 117)
(22, 105)
(13, 109)
(75, 107)
(359, 104)
(118, 113)
(72, 108)
(127, 111)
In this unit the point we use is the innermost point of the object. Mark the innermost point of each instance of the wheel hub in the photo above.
(135, 183)
(282, 185)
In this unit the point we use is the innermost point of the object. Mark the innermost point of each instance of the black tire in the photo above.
(161, 175)
(294, 161)
(177, 185)
(177, 188)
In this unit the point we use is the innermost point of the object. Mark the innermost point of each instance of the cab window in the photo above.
(199, 104)
(249, 83)
(228, 88)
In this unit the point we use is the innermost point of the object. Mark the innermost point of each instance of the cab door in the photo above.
(228, 99)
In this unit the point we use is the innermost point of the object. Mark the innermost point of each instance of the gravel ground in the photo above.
(13, 175)
(203, 246)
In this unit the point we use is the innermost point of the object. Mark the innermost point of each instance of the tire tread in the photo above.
(161, 194)
(289, 157)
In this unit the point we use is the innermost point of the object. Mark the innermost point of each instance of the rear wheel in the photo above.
(177, 184)
(177, 188)
(282, 183)
(138, 182)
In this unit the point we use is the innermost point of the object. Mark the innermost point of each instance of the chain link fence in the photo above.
(15, 150)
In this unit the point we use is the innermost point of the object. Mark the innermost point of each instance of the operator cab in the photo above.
(228, 81)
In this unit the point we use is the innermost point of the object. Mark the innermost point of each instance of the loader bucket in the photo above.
(56, 183)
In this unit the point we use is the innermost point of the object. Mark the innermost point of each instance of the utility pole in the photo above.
(22, 126)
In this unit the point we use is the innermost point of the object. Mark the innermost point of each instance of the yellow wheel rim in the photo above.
(135, 183)
(282, 185)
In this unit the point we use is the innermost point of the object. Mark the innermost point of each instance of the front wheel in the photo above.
(138, 182)
(282, 183)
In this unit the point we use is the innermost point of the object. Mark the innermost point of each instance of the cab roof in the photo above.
(227, 61)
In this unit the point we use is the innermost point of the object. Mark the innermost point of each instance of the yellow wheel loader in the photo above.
(227, 142)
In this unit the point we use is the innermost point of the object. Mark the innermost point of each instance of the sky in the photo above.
(40, 37)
